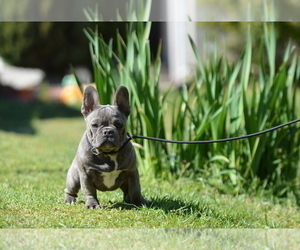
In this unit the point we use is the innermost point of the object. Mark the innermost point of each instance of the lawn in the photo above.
(32, 177)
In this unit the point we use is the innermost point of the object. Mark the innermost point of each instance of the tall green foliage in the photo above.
(234, 100)
(224, 100)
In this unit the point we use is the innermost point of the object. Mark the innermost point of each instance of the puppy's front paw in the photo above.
(70, 199)
(92, 204)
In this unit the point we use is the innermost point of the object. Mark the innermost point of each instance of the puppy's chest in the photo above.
(106, 173)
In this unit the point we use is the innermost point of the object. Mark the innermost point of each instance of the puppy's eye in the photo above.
(118, 124)
(95, 125)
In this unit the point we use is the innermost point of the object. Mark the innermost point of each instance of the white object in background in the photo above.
(19, 78)
(180, 15)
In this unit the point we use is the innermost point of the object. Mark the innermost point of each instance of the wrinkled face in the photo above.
(106, 123)
(106, 128)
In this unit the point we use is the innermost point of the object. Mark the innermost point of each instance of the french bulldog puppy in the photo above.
(105, 158)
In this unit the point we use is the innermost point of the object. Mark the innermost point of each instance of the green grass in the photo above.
(32, 176)
(149, 239)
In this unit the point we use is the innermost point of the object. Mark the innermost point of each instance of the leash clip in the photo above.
(129, 136)
(94, 151)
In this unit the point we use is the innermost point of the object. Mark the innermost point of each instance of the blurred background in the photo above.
(33, 53)
(48, 37)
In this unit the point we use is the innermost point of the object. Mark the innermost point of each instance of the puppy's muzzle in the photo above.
(108, 132)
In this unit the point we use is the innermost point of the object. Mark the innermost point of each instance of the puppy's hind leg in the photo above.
(72, 184)
(132, 190)
(124, 188)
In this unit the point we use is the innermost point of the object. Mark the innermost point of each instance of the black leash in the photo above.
(211, 141)
(94, 151)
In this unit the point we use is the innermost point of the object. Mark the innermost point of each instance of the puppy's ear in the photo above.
(122, 100)
(90, 100)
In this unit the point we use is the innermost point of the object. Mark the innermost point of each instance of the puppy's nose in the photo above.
(108, 132)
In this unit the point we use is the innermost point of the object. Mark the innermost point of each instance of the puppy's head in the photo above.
(106, 124)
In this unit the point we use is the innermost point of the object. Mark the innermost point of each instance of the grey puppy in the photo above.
(105, 159)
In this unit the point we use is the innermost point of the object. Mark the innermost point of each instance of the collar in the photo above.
(94, 151)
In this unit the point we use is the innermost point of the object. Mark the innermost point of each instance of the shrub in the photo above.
(228, 100)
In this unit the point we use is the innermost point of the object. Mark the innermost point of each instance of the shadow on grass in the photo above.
(17, 117)
(176, 206)
(168, 205)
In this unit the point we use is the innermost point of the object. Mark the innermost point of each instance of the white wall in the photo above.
(180, 58)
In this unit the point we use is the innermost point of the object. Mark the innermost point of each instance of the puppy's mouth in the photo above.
(107, 145)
